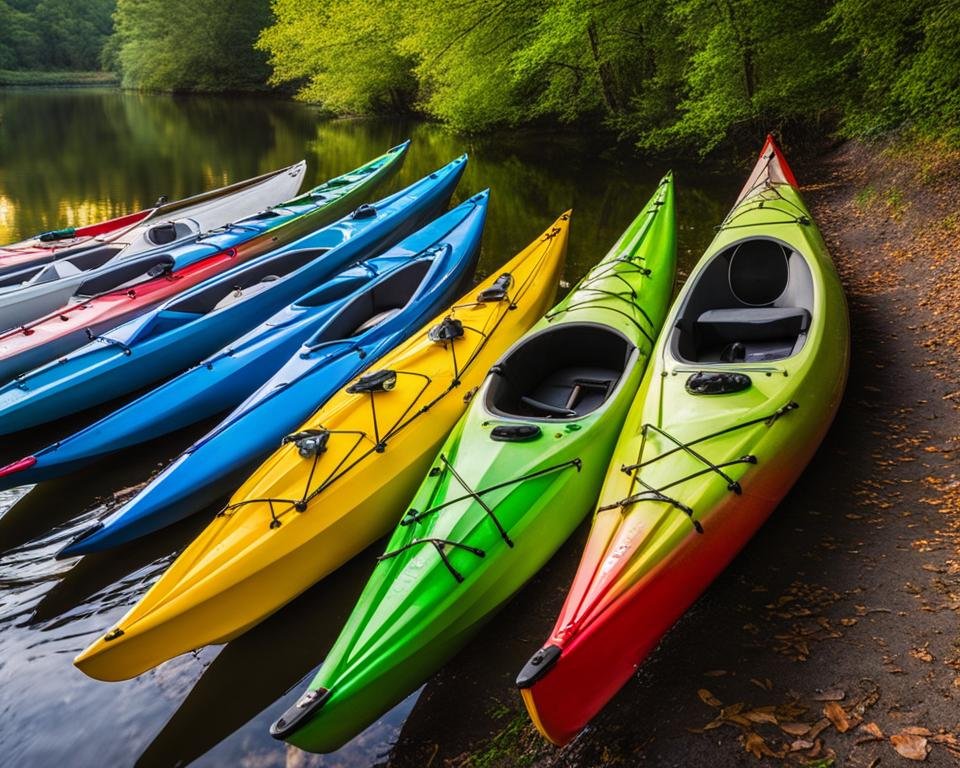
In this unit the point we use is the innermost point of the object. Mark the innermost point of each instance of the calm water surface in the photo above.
(73, 157)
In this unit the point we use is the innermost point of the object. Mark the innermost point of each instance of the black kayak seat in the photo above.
(751, 334)
(754, 323)
(563, 372)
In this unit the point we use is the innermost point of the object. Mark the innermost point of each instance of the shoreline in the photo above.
(44, 79)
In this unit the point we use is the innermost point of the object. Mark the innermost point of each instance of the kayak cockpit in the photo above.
(374, 305)
(752, 303)
(564, 372)
(55, 270)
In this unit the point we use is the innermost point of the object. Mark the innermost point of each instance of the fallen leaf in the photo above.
(910, 746)
(795, 729)
(761, 715)
(916, 730)
(800, 744)
(708, 698)
(715, 673)
(835, 714)
(871, 732)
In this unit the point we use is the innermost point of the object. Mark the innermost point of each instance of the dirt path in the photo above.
(833, 640)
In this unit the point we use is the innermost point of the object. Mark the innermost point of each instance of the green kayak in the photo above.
(520, 471)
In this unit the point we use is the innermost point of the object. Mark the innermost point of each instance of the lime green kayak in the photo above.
(743, 387)
(520, 471)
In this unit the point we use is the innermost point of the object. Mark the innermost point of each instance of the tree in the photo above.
(191, 45)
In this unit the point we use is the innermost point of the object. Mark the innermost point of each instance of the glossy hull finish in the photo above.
(29, 293)
(499, 508)
(650, 555)
(196, 323)
(209, 469)
(243, 567)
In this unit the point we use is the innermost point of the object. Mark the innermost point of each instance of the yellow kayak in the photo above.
(339, 483)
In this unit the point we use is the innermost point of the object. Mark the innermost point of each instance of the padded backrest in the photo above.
(758, 272)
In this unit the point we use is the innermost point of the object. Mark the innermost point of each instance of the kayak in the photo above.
(373, 320)
(511, 483)
(744, 385)
(197, 322)
(32, 291)
(156, 227)
(224, 379)
(105, 300)
(349, 475)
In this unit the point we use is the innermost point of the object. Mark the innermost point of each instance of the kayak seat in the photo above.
(750, 334)
(127, 274)
(564, 372)
(753, 302)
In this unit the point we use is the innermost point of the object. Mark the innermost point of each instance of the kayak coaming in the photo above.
(647, 560)
(491, 512)
(165, 340)
(208, 469)
(240, 569)
(47, 338)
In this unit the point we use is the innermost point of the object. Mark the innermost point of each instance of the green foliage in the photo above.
(902, 56)
(346, 55)
(53, 34)
(665, 73)
(191, 45)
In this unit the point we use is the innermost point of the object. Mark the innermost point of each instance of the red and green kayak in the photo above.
(745, 382)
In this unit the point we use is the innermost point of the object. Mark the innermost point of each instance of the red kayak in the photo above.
(745, 380)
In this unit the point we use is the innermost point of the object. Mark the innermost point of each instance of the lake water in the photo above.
(69, 157)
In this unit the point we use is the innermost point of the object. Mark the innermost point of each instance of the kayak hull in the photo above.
(95, 310)
(209, 468)
(698, 469)
(162, 342)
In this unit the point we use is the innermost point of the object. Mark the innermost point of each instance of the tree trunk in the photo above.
(604, 72)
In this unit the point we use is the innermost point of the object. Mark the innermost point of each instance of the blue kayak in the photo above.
(364, 324)
(199, 321)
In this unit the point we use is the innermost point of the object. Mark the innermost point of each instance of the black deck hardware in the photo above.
(301, 711)
(378, 381)
(365, 211)
(515, 433)
(440, 545)
(539, 664)
(717, 383)
(309, 442)
(447, 330)
(497, 291)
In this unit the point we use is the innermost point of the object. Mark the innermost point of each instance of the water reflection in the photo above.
(71, 157)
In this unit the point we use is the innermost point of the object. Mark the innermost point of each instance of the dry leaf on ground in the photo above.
(910, 745)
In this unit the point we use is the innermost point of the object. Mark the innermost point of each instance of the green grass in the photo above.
(10, 78)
